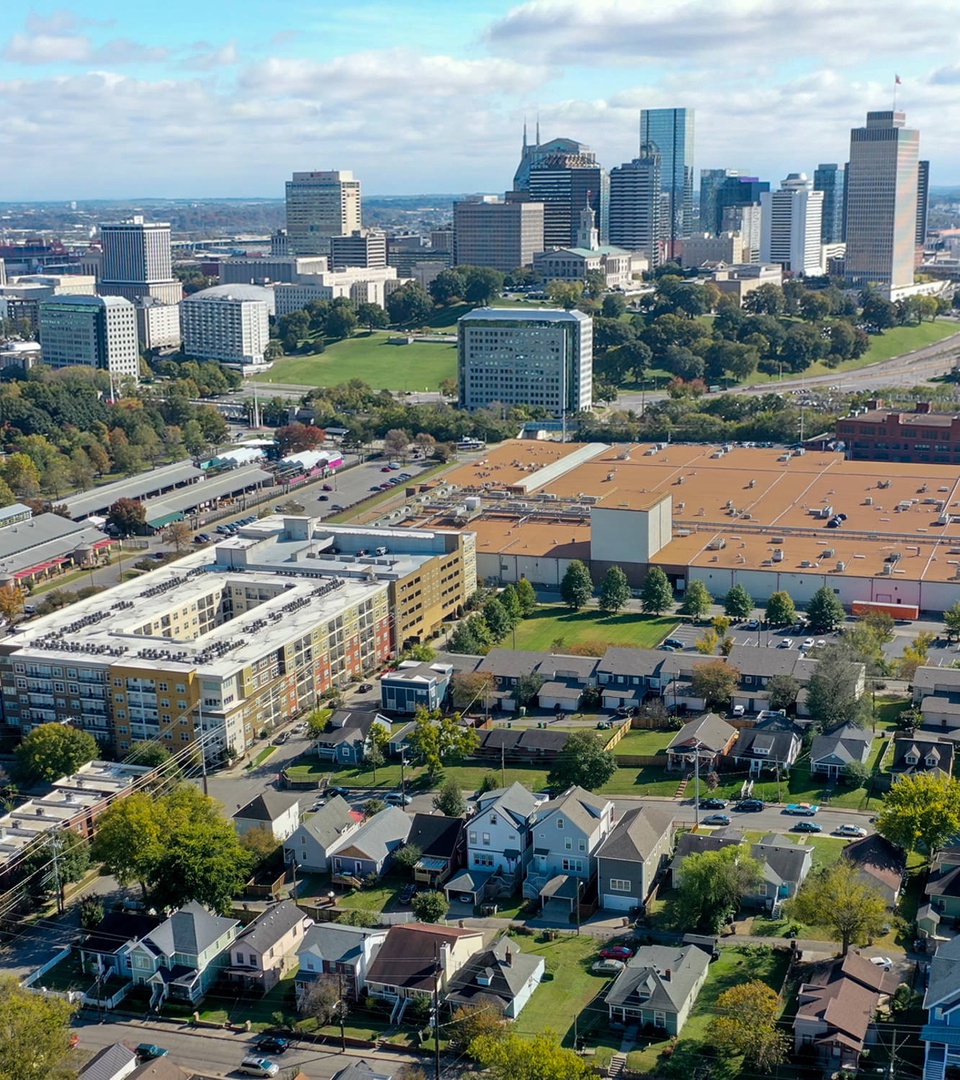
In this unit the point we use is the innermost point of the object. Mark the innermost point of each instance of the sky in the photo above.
(205, 98)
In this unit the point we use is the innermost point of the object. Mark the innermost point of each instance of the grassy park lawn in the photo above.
(552, 621)
(418, 366)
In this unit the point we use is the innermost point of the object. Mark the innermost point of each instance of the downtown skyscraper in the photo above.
(321, 205)
(671, 131)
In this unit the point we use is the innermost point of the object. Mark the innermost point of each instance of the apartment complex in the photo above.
(136, 261)
(537, 356)
(790, 226)
(503, 234)
(90, 331)
(227, 641)
(232, 329)
(158, 324)
(320, 205)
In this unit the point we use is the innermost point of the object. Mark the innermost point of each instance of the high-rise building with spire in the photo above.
(566, 183)
(535, 153)
(671, 131)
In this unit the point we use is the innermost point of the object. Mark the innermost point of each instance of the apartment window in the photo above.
(121, 714)
(572, 866)
(472, 838)
(483, 858)
(184, 736)
(581, 845)
(162, 686)
(568, 843)
(619, 885)
(493, 819)
(181, 704)
(559, 822)
(486, 839)
(181, 688)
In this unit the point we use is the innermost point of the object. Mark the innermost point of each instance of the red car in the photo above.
(616, 952)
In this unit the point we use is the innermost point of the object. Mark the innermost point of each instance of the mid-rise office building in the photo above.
(90, 331)
(635, 204)
(442, 240)
(366, 248)
(158, 325)
(734, 191)
(790, 226)
(711, 180)
(923, 201)
(321, 205)
(261, 269)
(355, 283)
(567, 184)
(671, 131)
(831, 179)
(488, 231)
(882, 188)
(231, 328)
(517, 356)
(136, 261)
(21, 296)
(748, 222)
(704, 248)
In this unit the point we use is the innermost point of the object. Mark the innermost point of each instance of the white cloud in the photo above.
(206, 57)
(73, 48)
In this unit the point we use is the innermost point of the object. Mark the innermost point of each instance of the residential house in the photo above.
(105, 951)
(442, 842)
(274, 811)
(501, 975)
(499, 844)
(419, 960)
(626, 676)
(368, 850)
(632, 855)
(343, 952)
(564, 680)
(936, 692)
(881, 864)
(114, 1062)
(363, 1070)
(708, 736)
(941, 1033)
(943, 885)
(835, 1009)
(310, 846)
(162, 1068)
(915, 754)
(184, 955)
(415, 685)
(658, 986)
(784, 867)
(772, 743)
(507, 667)
(399, 741)
(528, 745)
(835, 750)
(692, 843)
(567, 833)
(757, 668)
(263, 952)
(349, 736)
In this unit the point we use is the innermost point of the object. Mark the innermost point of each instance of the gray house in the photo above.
(708, 736)
(349, 736)
(658, 986)
(368, 850)
(772, 743)
(785, 866)
(630, 857)
(834, 750)
(414, 685)
(501, 974)
(310, 846)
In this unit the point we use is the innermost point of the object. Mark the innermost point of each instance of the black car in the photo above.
(338, 791)
(272, 1044)
(750, 806)
(713, 804)
(407, 893)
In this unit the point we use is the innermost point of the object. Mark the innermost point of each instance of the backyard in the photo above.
(554, 626)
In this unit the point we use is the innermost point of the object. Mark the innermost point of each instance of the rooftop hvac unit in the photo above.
(717, 544)
(841, 566)
(778, 555)
(868, 501)
(943, 519)
(828, 553)
(752, 484)
(807, 564)
(681, 507)
(767, 562)
(826, 511)
(776, 540)
(887, 569)
(550, 496)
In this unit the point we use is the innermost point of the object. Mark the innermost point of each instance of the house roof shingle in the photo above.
(515, 802)
(712, 732)
(330, 822)
(271, 926)
(190, 930)
(376, 837)
(577, 806)
(662, 976)
(117, 928)
(267, 806)
(408, 955)
(844, 743)
(508, 969)
(108, 1062)
(436, 835)
(636, 834)
(336, 942)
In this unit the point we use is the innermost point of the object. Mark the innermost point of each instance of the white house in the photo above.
(279, 813)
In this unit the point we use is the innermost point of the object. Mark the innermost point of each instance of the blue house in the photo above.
(414, 684)
(941, 1033)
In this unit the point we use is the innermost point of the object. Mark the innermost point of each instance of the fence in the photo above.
(51, 963)
(622, 729)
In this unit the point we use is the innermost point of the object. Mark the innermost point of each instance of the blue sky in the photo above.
(118, 99)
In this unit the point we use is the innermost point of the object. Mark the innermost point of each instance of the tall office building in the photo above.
(923, 199)
(90, 331)
(830, 179)
(882, 186)
(535, 153)
(671, 130)
(522, 356)
(363, 247)
(635, 202)
(711, 180)
(136, 261)
(566, 184)
(488, 231)
(790, 226)
(734, 191)
(748, 222)
(320, 205)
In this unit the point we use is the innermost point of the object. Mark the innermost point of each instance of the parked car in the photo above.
(273, 1044)
(407, 893)
(338, 791)
(787, 643)
(751, 624)
(737, 710)
(882, 961)
(616, 952)
(365, 687)
(327, 487)
(397, 798)
(323, 498)
(675, 642)
(150, 1052)
(716, 819)
(668, 648)
(254, 1066)
(713, 804)
(809, 643)
(608, 967)
(749, 806)
(808, 826)
(801, 809)
(850, 830)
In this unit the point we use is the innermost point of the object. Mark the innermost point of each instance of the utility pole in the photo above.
(343, 1038)
(577, 902)
(436, 1018)
(55, 841)
(503, 782)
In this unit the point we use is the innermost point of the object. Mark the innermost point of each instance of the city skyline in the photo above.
(107, 101)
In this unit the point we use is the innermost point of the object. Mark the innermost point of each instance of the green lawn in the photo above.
(261, 757)
(649, 780)
(826, 849)
(553, 621)
(468, 777)
(375, 899)
(418, 366)
(642, 741)
(887, 710)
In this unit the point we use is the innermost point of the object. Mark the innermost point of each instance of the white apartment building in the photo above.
(321, 205)
(158, 324)
(137, 262)
(364, 285)
(90, 331)
(256, 269)
(791, 222)
(232, 329)
(537, 356)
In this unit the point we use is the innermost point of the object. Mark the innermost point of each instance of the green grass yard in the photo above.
(552, 621)
(642, 741)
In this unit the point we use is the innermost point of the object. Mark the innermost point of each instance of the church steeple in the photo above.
(587, 235)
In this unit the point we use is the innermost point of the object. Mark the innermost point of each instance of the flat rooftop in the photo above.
(136, 487)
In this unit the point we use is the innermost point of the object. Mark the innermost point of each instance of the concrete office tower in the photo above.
(923, 199)
(566, 184)
(488, 231)
(671, 131)
(320, 205)
(517, 356)
(232, 329)
(136, 261)
(747, 221)
(830, 180)
(635, 202)
(790, 226)
(882, 186)
(90, 331)
(363, 247)
(711, 180)
(258, 269)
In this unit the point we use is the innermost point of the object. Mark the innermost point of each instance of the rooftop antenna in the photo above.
(524, 134)
(897, 81)
(538, 127)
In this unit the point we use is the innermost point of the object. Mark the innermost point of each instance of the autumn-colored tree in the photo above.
(178, 534)
(746, 1024)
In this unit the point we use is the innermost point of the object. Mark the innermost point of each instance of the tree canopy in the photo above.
(52, 751)
(746, 1023)
(738, 603)
(34, 1034)
(614, 591)
(576, 587)
(696, 600)
(655, 592)
(582, 762)
(511, 1056)
(825, 612)
(921, 812)
(781, 610)
(711, 886)
(439, 739)
(715, 681)
(838, 897)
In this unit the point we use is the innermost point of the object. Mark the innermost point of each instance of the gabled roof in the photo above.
(190, 930)
(764, 662)
(929, 676)
(271, 926)
(661, 976)
(362, 1070)
(435, 834)
(108, 1063)
(408, 956)
(944, 974)
(694, 843)
(511, 663)
(845, 997)
(330, 822)
(940, 752)
(505, 969)
(879, 858)
(576, 805)
(843, 743)
(622, 660)
(116, 929)
(789, 862)
(558, 667)
(709, 730)
(268, 806)
(336, 942)
(376, 837)
(636, 834)
(758, 742)
(514, 802)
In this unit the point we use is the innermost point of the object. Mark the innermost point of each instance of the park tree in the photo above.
(576, 588)
(372, 316)
(711, 886)
(783, 690)
(582, 762)
(296, 437)
(448, 286)
(374, 759)
(483, 284)
(781, 610)
(715, 681)
(527, 596)
(409, 304)
(496, 618)
(11, 601)
(707, 642)
(439, 739)
(614, 591)
(840, 898)
(34, 1034)
(696, 600)
(656, 596)
(832, 694)
(825, 612)
(52, 751)
(951, 619)
(430, 907)
(396, 442)
(738, 603)
(512, 1056)
(510, 603)
(470, 1022)
(565, 294)
(178, 534)
(341, 322)
(921, 812)
(127, 516)
(745, 1025)
(449, 799)
(260, 842)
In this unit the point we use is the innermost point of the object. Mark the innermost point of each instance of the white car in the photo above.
(850, 830)
(882, 961)
(809, 643)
